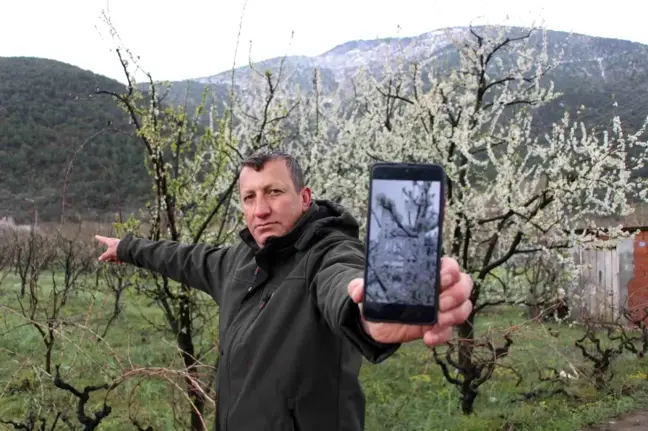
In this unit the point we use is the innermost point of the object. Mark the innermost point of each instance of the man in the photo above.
(291, 333)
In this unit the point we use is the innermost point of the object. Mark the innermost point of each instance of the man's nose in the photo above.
(262, 209)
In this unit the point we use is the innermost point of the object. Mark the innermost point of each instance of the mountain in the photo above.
(594, 71)
(49, 109)
(48, 112)
(343, 62)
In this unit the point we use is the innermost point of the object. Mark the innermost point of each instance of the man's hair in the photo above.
(258, 160)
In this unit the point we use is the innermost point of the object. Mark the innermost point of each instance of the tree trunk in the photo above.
(198, 400)
(186, 344)
(466, 367)
(534, 312)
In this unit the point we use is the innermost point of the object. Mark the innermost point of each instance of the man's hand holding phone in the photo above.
(454, 308)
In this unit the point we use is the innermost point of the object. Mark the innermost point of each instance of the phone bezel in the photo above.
(402, 313)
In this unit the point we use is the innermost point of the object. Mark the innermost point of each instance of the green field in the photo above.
(406, 392)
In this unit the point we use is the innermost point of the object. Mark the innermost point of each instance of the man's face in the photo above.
(271, 205)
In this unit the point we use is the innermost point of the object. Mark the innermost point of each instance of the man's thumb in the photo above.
(355, 289)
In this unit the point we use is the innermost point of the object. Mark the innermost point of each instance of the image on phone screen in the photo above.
(403, 236)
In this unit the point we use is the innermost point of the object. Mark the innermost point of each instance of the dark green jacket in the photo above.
(291, 343)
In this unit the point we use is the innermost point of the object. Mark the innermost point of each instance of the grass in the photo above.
(409, 391)
(406, 392)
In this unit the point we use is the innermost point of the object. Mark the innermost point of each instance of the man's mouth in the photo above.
(261, 226)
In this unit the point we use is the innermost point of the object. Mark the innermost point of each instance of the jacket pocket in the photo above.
(262, 304)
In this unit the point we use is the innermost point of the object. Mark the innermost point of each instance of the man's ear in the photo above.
(306, 199)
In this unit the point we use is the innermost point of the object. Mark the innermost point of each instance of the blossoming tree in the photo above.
(510, 191)
(193, 157)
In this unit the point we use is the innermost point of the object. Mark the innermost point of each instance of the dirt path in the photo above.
(631, 422)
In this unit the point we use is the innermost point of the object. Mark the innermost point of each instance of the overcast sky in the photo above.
(199, 37)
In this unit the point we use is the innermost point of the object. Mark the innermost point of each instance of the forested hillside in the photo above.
(48, 110)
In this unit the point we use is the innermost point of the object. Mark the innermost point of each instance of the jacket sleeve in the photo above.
(337, 265)
(197, 265)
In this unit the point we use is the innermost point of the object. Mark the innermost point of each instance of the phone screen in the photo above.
(403, 239)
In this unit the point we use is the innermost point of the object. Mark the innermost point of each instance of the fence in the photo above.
(611, 281)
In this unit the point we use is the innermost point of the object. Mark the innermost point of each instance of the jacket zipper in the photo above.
(264, 302)
(229, 351)
(293, 418)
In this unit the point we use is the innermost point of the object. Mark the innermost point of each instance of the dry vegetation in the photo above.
(83, 349)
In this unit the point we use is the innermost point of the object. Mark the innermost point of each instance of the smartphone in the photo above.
(404, 242)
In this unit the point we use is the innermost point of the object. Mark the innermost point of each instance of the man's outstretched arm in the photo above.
(197, 265)
(338, 285)
(334, 266)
